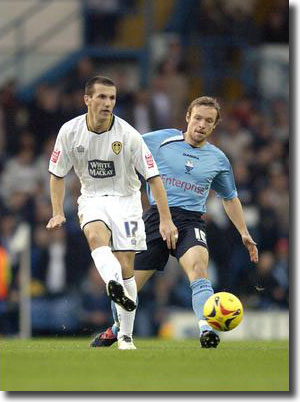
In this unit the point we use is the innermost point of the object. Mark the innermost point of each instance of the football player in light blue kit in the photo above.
(189, 166)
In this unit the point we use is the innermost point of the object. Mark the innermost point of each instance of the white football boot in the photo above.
(126, 343)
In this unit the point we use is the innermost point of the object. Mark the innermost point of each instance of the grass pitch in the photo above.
(60, 364)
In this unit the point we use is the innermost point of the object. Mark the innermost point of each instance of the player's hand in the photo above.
(250, 244)
(169, 233)
(56, 222)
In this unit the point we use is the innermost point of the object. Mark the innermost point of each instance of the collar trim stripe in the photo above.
(101, 132)
(176, 138)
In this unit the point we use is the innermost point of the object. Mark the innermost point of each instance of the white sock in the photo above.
(107, 264)
(126, 318)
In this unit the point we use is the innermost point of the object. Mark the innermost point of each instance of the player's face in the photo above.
(201, 123)
(102, 102)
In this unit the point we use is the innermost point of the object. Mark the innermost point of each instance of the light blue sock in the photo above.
(201, 291)
(115, 328)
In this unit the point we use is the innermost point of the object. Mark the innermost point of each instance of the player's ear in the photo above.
(187, 117)
(216, 123)
(86, 99)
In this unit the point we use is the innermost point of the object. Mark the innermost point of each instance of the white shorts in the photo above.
(122, 215)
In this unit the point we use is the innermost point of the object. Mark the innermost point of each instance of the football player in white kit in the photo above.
(106, 152)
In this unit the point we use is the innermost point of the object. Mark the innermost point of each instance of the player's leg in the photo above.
(126, 318)
(141, 277)
(110, 335)
(194, 262)
(98, 236)
(154, 258)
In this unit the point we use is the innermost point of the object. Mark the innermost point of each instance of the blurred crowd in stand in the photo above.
(68, 295)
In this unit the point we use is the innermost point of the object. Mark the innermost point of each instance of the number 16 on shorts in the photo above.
(200, 235)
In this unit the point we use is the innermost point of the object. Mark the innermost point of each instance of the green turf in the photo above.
(157, 365)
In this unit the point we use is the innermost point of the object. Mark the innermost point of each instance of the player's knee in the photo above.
(199, 271)
(94, 240)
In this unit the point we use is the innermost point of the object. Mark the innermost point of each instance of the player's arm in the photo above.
(167, 228)
(59, 166)
(57, 193)
(234, 210)
(146, 166)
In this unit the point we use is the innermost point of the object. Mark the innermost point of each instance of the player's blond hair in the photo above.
(205, 101)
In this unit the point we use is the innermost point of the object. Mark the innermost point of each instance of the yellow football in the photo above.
(223, 311)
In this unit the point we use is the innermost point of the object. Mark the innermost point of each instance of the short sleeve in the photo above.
(143, 158)
(60, 163)
(224, 183)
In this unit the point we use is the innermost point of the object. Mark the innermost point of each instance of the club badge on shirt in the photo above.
(188, 166)
(116, 147)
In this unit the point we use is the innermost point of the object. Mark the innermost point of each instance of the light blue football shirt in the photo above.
(188, 173)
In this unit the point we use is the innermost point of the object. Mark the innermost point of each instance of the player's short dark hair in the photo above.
(206, 101)
(98, 79)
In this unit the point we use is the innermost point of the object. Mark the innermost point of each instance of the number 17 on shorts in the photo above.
(131, 228)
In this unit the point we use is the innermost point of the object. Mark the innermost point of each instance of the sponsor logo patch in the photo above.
(101, 169)
(55, 156)
(149, 160)
(116, 147)
(190, 156)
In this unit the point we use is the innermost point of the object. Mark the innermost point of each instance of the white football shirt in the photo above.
(105, 163)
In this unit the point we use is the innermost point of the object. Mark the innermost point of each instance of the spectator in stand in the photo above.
(77, 78)
(49, 260)
(269, 294)
(2, 138)
(242, 25)
(176, 86)
(42, 162)
(142, 112)
(279, 112)
(10, 107)
(243, 182)
(281, 270)
(101, 21)
(9, 295)
(260, 164)
(175, 53)
(45, 113)
(275, 28)
(125, 101)
(211, 18)
(161, 103)
(268, 226)
(39, 260)
(263, 135)
(243, 111)
(234, 138)
(20, 175)
(279, 187)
